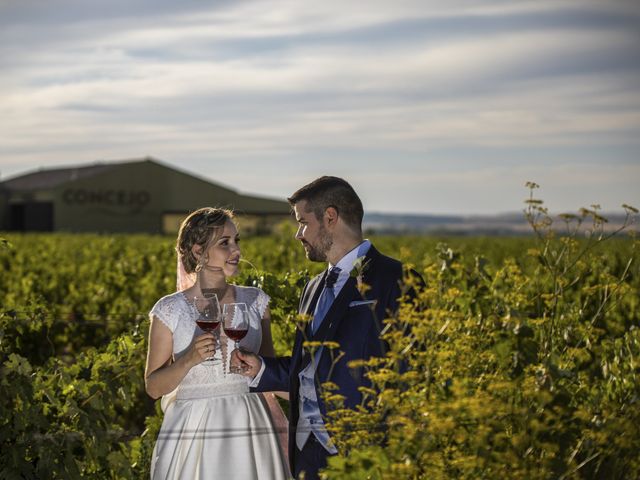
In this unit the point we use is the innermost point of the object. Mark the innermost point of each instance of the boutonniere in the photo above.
(360, 266)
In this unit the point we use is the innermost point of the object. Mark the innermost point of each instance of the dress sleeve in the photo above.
(262, 301)
(164, 312)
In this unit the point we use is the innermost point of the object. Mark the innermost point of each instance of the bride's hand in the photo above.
(202, 348)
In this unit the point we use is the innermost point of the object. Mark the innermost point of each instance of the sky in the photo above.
(423, 106)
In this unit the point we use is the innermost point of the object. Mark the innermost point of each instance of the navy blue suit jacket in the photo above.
(355, 328)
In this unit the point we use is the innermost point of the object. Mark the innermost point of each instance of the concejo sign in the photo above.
(133, 200)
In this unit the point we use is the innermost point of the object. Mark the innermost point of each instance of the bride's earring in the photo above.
(201, 259)
(202, 262)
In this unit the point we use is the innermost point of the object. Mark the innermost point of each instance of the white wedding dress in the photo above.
(213, 427)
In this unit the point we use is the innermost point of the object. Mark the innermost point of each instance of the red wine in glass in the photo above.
(236, 334)
(207, 325)
(235, 321)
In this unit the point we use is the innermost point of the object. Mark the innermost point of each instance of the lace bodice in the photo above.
(204, 380)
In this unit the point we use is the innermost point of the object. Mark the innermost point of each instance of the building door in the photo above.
(16, 217)
(31, 217)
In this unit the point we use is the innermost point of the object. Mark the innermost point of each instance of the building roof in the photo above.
(50, 178)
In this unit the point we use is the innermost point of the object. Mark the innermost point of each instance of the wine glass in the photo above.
(208, 309)
(235, 321)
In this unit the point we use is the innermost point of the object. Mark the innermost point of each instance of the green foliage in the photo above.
(69, 420)
(92, 286)
(284, 290)
(525, 369)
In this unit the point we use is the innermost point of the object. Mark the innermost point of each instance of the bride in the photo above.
(212, 427)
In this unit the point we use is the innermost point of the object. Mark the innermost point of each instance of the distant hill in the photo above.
(503, 224)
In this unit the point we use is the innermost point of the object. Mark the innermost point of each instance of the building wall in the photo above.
(137, 197)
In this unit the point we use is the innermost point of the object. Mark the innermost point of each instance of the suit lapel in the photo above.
(337, 311)
(307, 306)
(371, 263)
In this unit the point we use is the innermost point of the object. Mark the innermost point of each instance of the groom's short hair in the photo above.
(325, 192)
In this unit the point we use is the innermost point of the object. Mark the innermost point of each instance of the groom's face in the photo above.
(312, 233)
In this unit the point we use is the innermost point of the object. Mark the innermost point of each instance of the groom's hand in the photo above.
(245, 363)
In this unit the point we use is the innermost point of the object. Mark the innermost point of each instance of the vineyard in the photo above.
(523, 355)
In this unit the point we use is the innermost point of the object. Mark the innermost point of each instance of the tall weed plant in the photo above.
(528, 369)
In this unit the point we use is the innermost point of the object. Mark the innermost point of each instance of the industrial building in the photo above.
(135, 196)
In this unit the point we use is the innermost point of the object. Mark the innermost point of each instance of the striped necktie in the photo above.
(326, 298)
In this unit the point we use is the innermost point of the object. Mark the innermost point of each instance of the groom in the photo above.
(329, 215)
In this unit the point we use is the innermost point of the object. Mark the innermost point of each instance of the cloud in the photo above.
(501, 189)
(258, 84)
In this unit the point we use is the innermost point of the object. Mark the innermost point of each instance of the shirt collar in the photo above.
(346, 263)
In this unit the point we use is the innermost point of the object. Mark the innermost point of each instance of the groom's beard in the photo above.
(318, 252)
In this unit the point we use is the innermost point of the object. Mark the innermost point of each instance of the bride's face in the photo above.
(223, 254)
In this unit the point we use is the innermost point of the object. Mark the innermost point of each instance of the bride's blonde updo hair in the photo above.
(200, 228)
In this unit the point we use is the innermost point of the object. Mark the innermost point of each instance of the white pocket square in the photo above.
(357, 303)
